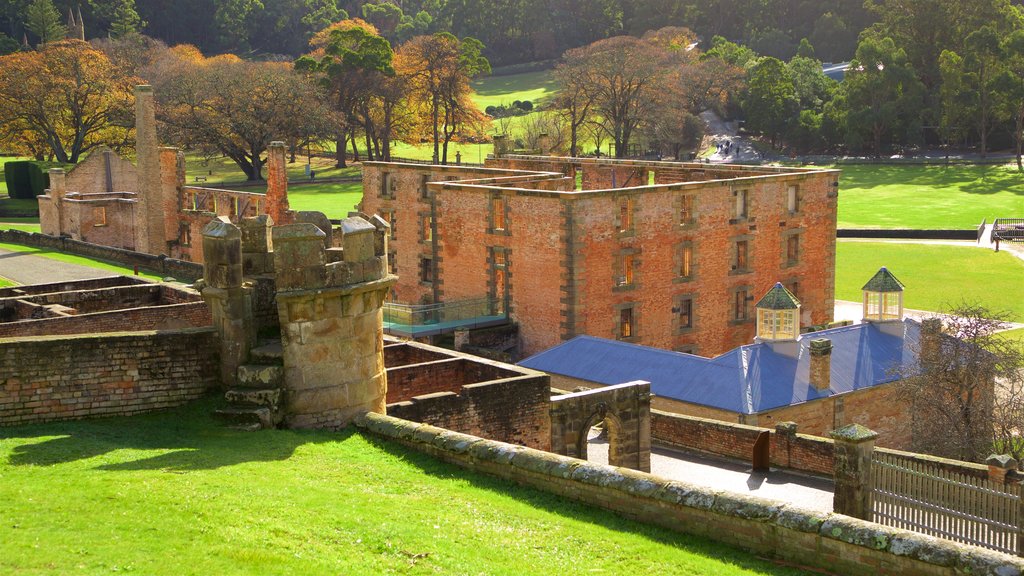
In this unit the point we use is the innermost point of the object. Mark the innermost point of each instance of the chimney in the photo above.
(277, 185)
(500, 145)
(149, 220)
(821, 364)
(58, 187)
(931, 342)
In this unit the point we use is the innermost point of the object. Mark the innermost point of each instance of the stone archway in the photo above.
(626, 411)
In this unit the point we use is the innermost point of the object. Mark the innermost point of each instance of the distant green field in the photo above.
(937, 277)
(923, 197)
(221, 169)
(334, 200)
(537, 87)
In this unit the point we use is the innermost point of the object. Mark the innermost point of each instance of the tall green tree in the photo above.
(43, 20)
(883, 97)
(1010, 83)
(120, 16)
(771, 105)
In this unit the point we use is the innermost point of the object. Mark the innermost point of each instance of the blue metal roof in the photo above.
(748, 379)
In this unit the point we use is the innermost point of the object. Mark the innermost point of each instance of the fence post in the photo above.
(852, 472)
(999, 467)
(787, 431)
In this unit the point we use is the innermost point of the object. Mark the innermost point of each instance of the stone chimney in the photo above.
(931, 341)
(149, 218)
(821, 364)
(51, 221)
(277, 185)
(500, 145)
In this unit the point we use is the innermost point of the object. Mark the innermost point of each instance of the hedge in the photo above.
(26, 179)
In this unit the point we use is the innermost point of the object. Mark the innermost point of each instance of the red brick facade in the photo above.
(662, 265)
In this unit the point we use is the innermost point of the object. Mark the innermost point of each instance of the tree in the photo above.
(43, 20)
(8, 45)
(967, 395)
(233, 107)
(883, 96)
(622, 75)
(354, 63)
(439, 68)
(64, 100)
(1010, 83)
(574, 100)
(771, 105)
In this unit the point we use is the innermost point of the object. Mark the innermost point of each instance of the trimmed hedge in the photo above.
(27, 179)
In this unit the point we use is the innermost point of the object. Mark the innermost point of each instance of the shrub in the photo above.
(39, 177)
(19, 183)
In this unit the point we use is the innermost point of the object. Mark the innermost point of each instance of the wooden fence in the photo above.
(926, 499)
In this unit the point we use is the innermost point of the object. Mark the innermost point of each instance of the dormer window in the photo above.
(883, 298)
(778, 315)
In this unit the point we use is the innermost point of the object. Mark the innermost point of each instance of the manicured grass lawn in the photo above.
(72, 259)
(937, 277)
(921, 197)
(474, 153)
(537, 87)
(23, 224)
(176, 493)
(334, 200)
(5, 282)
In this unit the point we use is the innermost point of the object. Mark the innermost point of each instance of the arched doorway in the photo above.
(624, 413)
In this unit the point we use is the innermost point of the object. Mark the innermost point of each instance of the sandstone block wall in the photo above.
(168, 317)
(831, 542)
(61, 377)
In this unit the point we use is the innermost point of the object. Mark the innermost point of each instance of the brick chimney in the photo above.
(931, 341)
(821, 364)
(277, 185)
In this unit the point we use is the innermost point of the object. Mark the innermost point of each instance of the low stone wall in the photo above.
(170, 317)
(161, 265)
(514, 410)
(62, 378)
(832, 542)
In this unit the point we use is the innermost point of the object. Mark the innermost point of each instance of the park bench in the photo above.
(1007, 230)
(200, 179)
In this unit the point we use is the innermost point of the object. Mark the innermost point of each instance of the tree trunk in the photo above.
(339, 153)
(355, 147)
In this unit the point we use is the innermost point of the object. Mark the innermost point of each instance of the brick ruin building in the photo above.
(663, 254)
(147, 206)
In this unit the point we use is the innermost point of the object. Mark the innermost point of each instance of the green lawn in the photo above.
(921, 197)
(537, 87)
(23, 224)
(334, 200)
(936, 277)
(176, 493)
(5, 282)
(72, 259)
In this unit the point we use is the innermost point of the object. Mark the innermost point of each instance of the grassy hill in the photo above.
(175, 493)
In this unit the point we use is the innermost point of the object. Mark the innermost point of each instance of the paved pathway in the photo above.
(25, 268)
(731, 475)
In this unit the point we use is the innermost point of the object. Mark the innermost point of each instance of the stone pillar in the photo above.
(172, 180)
(51, 219)
(331, 324)
(277, 184)
(149, 218)
(229, 301)
(500, 145)
(854, 445)
(257, 247)
(931, 342)
(1001, 468)
(821, 364)
(785, 433)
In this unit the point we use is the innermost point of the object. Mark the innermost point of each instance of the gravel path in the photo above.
(26, 268)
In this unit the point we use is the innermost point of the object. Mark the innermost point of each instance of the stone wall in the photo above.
(831, 542)
(160, 264)
(513, 410)
(62, 378)
(168, 317)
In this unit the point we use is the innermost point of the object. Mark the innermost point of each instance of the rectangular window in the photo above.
(392, 263)
(498, 207)
(625, 215)
(426, 270)
(686, 215)
(428, 229)
(741, 256)
(424, 191)
(740, 306)
(387, 185)
(234, 206)
(685, 313)
(184, 234)
(627, 329)
(793, 199)
(99, 216)
(793, 250)
(686, 261)
(742, 204)
(794, 287)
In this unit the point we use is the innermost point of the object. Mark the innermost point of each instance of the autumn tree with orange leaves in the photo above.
(63, 101)
(439, 68)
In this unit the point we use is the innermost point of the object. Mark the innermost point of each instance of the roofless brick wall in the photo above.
(833, 542)
(62, 378)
